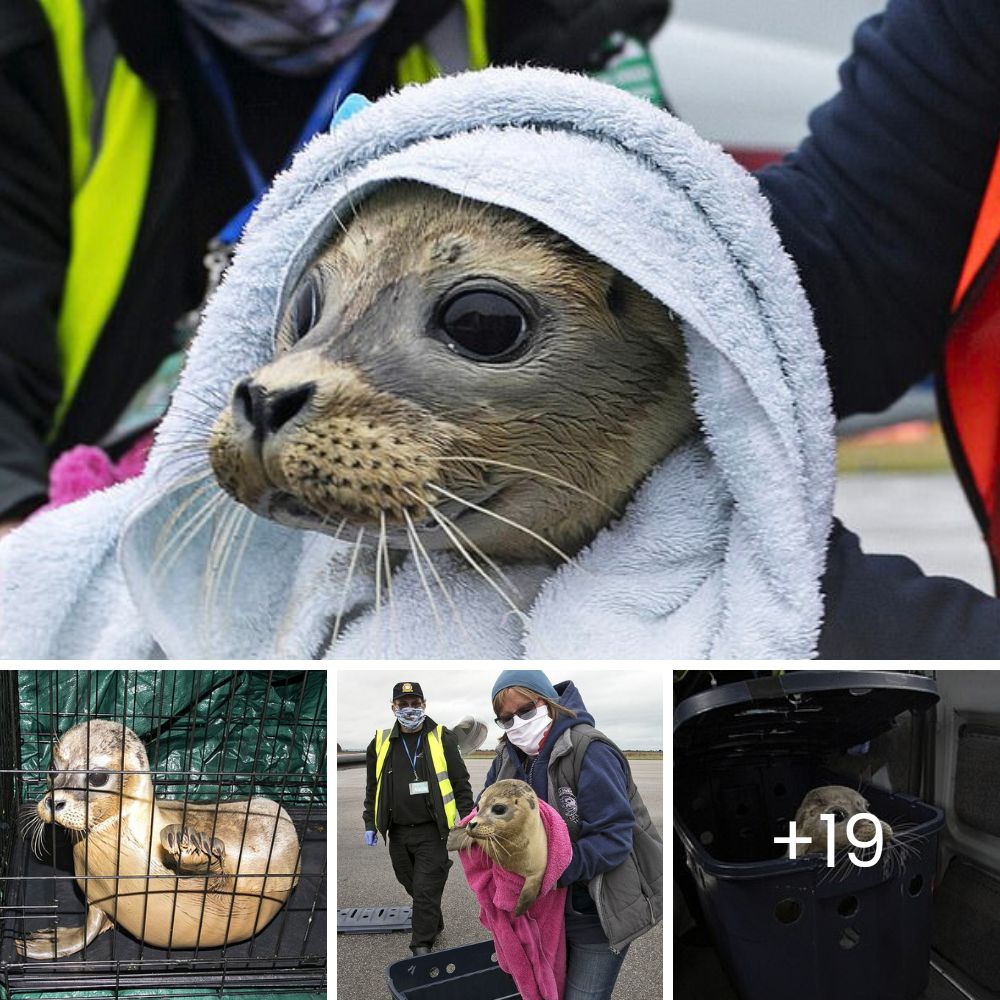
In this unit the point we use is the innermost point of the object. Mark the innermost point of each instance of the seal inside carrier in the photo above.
(746, 755)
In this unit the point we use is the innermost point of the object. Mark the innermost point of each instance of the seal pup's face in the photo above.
(499, 823)
(842, 803)
(86, 786)
(452, 374)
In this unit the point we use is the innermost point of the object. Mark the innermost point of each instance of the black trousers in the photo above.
(420, 860)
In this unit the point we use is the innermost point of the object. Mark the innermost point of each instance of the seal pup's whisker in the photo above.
(504, 520)
(534, 472)
(347, 587)
(215, 568)
(165, 558)
(388, 572)
(377, 638)
(457, 615)
(207, 478)
(415, 556)
(32, 829)
(246, 524)
(448, 529)
(473, 546)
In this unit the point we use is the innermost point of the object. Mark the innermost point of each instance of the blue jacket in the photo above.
(876, 207)
(606, 817)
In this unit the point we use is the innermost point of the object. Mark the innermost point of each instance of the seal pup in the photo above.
(508, 827)
(843, 803)
(174, 874)
(449, 374)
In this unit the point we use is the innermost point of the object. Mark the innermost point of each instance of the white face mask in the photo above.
(526, 734)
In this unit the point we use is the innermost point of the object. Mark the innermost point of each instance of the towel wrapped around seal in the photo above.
(720, 552)
(532, 947)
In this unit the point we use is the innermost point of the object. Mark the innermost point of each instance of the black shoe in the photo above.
(420, 949)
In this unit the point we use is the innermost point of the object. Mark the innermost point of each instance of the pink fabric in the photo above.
(85, 469)
(531, 947)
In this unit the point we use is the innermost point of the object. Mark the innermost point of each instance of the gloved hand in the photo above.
(371, 838)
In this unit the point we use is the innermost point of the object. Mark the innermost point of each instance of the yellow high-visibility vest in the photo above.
(418, 64)
(438, 762)
(109, 175)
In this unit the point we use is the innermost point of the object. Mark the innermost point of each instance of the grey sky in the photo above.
(627, 704)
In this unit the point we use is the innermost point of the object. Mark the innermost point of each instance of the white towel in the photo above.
(718, 555)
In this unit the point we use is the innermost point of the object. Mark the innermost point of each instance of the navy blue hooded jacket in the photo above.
(606, 818)
(876, 207)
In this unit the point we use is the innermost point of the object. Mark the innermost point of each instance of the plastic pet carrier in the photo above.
(745, 756)
(467, 973)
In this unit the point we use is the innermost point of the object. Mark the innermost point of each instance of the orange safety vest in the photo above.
(970, 376)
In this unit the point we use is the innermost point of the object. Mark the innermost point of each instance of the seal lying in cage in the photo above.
(174, 874)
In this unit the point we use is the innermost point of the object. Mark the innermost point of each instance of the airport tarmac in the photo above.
(921, 515)
(365, 878)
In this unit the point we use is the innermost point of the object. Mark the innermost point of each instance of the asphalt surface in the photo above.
(921, 515)
(364, 878)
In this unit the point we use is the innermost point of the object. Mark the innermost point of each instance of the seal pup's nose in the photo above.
(267, 412)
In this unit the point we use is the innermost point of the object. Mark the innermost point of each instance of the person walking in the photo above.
(418, 786)
(615, 877)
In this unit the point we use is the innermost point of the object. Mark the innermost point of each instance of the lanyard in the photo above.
(416, 752)
(337, 87)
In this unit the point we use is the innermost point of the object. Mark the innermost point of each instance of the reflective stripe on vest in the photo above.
(440, 765)
(382, 745)
(111, 155)
(971, 364)
(419, 63)
(438, 762)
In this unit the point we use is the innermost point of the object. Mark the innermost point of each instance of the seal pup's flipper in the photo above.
(193, 852)
(529, 892)
(459, 839)
(63, 941)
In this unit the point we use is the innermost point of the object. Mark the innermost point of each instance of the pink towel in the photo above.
(84, 469)
(531, 947)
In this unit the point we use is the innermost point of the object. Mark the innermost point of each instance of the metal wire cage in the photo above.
(237, 767)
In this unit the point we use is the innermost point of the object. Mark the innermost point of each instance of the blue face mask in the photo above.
(410, 717)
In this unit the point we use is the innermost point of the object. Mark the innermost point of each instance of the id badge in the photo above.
(419, 788)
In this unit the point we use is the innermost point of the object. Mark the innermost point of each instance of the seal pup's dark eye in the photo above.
(307, 305)
(97, 779)
(839, 815)
(484, 325)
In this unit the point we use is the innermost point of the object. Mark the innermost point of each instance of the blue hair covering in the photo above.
(533, 680)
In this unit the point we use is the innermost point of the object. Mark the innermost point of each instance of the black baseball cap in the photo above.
(407, 689)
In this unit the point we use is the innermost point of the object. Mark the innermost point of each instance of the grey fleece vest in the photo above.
(629, 898)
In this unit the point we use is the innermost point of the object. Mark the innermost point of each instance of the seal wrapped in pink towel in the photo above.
(530, 947)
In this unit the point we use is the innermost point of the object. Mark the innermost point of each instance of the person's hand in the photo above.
(371, 838)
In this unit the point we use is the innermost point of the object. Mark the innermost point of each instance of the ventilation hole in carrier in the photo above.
(706, 837)
(848, 906)
(849, 938)
(915, 885)
(779, 789)
(450, 968)
(788, 911)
